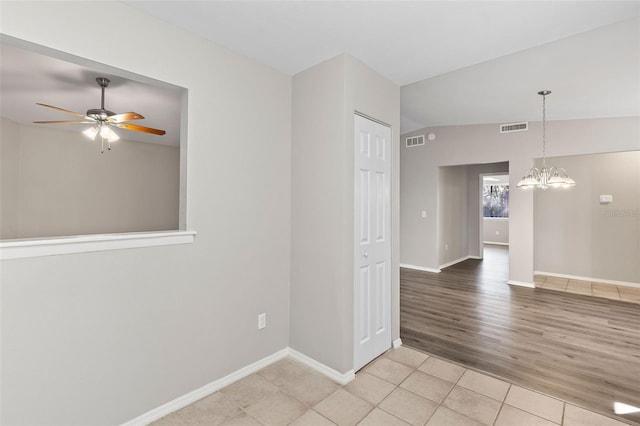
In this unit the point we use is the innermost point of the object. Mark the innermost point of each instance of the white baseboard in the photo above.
(397, 343)
(441, 267)
(495, 243)
(336, 376)
(208, 389)
(419, 268)
(453, 262)
(595, 280)
(205, 390)
(521, 284)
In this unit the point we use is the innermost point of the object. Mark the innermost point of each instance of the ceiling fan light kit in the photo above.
(543, 178)
(105, 133)
(103, 120)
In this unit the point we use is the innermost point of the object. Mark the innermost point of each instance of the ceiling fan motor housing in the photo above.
(100, 114)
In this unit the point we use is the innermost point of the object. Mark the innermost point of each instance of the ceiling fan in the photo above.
(103, 120)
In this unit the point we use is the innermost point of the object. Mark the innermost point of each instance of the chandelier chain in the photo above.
(544, 129)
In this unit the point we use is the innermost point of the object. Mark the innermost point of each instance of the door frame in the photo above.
(389, 224)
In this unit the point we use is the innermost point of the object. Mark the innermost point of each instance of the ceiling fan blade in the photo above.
(64, 122)
(137, 128)
(125, 116)
(77, 114)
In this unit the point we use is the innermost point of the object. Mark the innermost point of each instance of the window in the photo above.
(495, 198)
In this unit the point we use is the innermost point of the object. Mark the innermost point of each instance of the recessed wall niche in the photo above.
(54, 180)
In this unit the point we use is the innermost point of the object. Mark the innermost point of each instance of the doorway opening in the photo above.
(494, 213)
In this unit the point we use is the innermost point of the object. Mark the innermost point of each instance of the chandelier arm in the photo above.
(544, 177)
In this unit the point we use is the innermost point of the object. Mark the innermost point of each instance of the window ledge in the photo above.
(36, 247)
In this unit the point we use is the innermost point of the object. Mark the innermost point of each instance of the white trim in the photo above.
(419, 268)
(475, 257)
(205, 390)
(216, 385)
(340, 378)
(495, 243)
(595, 280)
(397, 343)
(521, 284)
(496, 218)
(368, 117)
(36, 247)
(453, 262)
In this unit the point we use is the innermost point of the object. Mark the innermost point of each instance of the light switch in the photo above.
(424, 214)
(606, 199)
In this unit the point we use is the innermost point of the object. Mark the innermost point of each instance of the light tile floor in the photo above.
(401, 387)
(608, 291)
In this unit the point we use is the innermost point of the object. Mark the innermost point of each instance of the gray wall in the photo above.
(495, 230)
(64, 185)
(577, 235)
(324, 100)
(103, 337)
(9, 151)
(478, 144)
(452, 210)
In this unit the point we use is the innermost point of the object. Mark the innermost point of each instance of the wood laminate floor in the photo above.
(582, 349)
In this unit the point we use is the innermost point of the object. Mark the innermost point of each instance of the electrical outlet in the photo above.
(497, 232)
(262, 321)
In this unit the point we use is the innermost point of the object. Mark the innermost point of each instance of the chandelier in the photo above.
(555, 177)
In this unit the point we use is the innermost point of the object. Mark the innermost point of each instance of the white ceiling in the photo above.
(458, 62)
(592, 74)
(496, 180)
(406, 41)
(27, 77)
(441, 41)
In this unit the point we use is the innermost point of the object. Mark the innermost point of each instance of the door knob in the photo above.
(366, 254)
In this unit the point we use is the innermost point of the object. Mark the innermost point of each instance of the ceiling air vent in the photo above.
(415, 141)
(514, 127)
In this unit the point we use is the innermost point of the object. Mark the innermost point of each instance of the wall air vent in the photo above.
(415, 141)
(514, 127)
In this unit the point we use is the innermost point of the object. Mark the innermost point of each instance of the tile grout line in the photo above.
(440, 404)
(398, 386)
(449, 393)
(414, 369)
(564, 402)
(591, 293)
(502, 403)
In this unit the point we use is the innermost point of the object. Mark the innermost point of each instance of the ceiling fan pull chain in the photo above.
(102, 145)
